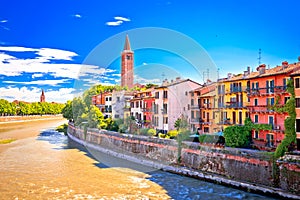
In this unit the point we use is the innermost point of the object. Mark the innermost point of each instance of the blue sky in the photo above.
(63, 46)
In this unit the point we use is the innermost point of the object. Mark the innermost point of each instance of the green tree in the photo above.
(67, 111)
(96, 118)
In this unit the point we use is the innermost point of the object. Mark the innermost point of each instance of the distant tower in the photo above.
(127, 65)
(42, 98)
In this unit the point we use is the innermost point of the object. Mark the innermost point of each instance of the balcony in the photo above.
(225, 122)
(195, 107)
(235, 105)
(262, 109)
(236, 90)
(267, 91)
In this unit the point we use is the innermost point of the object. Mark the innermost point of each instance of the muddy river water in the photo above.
(44, 164)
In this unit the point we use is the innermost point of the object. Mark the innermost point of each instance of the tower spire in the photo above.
(127, 44)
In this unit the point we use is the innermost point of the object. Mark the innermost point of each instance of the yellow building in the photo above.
(232, 99)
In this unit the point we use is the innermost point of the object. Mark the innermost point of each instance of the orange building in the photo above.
(266, 92)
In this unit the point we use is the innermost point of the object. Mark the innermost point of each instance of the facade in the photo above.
(232, 100)
(203, 109)
(207, 109)
(172, 101)
(141, 107)
(266, 92)
(119, 99)
(42, 98)
(127, 65)
(296, 76)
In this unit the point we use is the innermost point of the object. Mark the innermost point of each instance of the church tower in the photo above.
(42, 98)
(127, 65)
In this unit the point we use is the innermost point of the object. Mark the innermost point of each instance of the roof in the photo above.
(285, 68)
(127, 44)
(178, 81)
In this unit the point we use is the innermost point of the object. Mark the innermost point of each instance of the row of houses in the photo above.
(213, 106)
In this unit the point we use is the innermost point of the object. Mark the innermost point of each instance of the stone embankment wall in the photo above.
(27, 117)
(234, 164)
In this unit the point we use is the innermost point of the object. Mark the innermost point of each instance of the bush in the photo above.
(172, 133)
(144, 131)
(151, 132)
(212, 139)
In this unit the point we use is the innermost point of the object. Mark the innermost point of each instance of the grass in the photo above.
(6, 141)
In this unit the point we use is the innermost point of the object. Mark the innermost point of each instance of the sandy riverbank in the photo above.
(28, 129)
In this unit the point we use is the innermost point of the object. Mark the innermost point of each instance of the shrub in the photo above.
(144, 131)
(151, 132)
(172, 133)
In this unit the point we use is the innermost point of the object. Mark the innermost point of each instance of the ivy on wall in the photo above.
(289, 123)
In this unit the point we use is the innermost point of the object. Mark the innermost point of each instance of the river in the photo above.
(45, 164)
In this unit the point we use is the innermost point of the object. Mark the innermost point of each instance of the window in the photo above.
(165, 108)
(255, 118)
(192, 115)
(203, 115)
(286, 99)
(255, 135)
(165, 94)
(297, 83)
(255, 102)
(192, 102)
(297, 102)
(186, 93)
(206, 129)
(297, 125)
(116, 116)
(165, 120)
(156, 95)
(118, 99)
(137, 104)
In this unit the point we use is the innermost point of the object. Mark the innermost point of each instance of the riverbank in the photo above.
(13, 119)
(17, 130)
(154, 153)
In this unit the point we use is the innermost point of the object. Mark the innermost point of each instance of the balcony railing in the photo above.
(195, 107)
(237, 89)
(262, 108)
(235, 105)
(267, 91)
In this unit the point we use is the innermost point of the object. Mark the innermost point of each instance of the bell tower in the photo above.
(127, 65)
(42, 98)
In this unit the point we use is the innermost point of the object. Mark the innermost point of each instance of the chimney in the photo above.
(229, 75)
(247, 72)
(177, 79)
(261, 69)
(248, 69)
(285, 64)
(299, 58)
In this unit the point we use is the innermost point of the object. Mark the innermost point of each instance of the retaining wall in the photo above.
(254, 167)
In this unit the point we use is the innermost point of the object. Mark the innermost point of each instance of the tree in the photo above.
(96, 118)
(67, 111)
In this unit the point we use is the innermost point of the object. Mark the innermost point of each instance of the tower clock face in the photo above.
(128, 57)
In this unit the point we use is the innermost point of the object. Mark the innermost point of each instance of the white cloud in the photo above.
(117, 23)
(4, 21)
(144, 63)
(39, 82)
(33, 94)
(77, 16)
(122, 19)
(37, 75)
(41, 64)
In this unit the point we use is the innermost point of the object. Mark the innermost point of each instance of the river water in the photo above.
(50, 166)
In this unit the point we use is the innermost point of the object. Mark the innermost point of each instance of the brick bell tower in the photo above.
(42, 98)
(127, 65)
